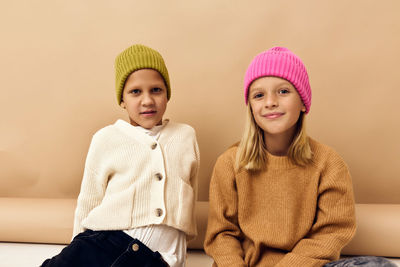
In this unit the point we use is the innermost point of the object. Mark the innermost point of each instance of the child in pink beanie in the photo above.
(279, 197)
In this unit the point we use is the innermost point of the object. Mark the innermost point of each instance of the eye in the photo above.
(284, 91)
(135, 91)
(156, 90)
(258, 95)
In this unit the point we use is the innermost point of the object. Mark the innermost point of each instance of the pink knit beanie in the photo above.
(280, 62)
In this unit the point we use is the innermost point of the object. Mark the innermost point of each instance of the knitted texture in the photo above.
(131, 180)
(280, 62)
(135, 58)
(284, 216)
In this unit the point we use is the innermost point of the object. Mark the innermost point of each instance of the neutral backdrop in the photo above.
(57, 80)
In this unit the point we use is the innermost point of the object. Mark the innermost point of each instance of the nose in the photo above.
(147, 99)
(271, 100)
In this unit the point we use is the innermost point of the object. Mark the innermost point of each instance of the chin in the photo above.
(149, 125)
(276, 131)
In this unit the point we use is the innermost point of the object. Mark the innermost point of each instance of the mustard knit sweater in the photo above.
(284, 216)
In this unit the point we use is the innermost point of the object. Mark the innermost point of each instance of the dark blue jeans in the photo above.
(106, 248)
(363, 261)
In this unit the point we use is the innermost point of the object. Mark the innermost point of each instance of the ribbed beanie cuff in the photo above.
(280, 62)
(135, 58)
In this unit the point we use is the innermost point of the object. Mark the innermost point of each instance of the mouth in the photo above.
(148, 113)
(273, 115)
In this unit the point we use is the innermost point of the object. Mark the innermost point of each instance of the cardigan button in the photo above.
(153, 146)
(159, 176)
(159, 212)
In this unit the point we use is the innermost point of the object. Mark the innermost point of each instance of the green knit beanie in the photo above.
(135, 58)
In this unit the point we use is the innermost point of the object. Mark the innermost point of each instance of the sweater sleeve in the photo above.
(334, 224)
(92, 188)
(223, 237)
(195, 169)
(194, 174)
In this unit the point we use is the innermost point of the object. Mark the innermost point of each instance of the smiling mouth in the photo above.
(274, 115)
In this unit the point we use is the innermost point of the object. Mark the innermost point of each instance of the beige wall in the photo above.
(57, 80)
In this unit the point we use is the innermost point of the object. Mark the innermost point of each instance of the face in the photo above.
(145, 98)
(275, 105)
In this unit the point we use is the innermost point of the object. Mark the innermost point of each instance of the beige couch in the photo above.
(57, 89)
(50, 221)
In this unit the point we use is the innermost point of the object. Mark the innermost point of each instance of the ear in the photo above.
(122, 104)
(303, 108)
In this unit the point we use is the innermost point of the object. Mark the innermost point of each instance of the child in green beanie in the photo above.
(136, 204)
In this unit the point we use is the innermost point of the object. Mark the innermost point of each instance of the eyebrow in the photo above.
(278, 85)
(153, 85)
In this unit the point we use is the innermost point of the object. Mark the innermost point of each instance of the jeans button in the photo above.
(135, 247)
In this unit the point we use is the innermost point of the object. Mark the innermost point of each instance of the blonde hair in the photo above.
(252, 152)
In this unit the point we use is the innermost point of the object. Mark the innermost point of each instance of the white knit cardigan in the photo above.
(131, 180)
